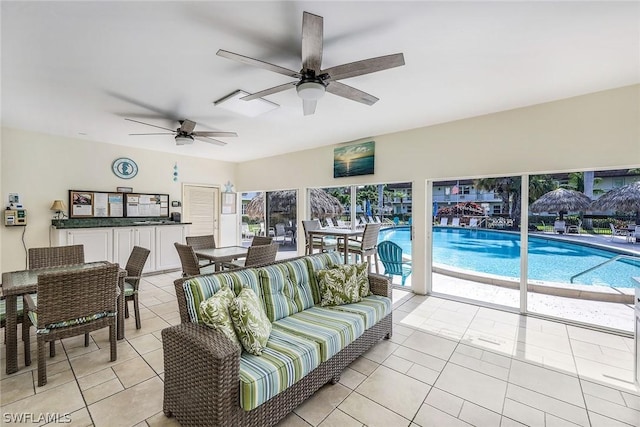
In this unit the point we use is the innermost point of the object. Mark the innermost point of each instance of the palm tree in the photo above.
(539, 185)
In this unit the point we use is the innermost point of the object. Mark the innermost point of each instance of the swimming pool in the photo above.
(498, 253)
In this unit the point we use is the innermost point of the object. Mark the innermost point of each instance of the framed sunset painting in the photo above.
(354, 159)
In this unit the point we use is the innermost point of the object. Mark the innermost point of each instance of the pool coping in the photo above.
(588, 292)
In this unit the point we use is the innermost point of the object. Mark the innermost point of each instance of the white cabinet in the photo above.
(125, 238)
(166, 254)
(123, 243)
(146, 237)
(98, 242)
(115, 244)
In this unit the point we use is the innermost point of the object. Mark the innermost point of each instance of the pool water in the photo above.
(495, 252)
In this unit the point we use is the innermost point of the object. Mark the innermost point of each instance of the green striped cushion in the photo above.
(321, 262)
(286, 359)
(286, 289)
(332, 330)
(201, 288)
(33, 316)
(372, 308)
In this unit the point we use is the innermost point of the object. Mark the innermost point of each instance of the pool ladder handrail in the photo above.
(613, 259)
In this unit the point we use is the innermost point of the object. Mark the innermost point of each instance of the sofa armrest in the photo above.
(380, 285)
(201, 373)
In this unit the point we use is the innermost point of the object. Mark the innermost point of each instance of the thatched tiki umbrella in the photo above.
(623, 199)
(323, 205)
(561, 200)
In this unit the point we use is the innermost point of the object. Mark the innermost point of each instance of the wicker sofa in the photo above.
(204, 380)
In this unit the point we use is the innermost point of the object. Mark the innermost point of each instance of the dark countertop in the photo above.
(111, 222)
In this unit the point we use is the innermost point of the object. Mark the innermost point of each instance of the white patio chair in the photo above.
(559, 227)
(444, 221)
(455, 222)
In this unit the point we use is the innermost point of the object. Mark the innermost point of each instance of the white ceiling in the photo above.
(77, 69)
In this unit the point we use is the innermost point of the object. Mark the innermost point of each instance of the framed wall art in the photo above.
(354, 159)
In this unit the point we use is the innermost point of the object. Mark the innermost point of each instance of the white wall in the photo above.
(43, 168)
(595, 131)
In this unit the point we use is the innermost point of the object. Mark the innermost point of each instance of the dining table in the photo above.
(222, 254)
(340, 233)
(18, 283)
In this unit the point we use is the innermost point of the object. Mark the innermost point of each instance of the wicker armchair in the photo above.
(256, 255)
(261, 240)
(55, 256)
(324, 243)
(188, 259)
(366, 246)
(202, 242)
(134, 267)
(74, 303)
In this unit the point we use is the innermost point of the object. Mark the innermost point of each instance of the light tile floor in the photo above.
(447, 364)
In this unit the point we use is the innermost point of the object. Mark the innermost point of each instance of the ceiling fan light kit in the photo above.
(311, 91)
(184, 139)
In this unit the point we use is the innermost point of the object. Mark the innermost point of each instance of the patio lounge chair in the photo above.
(246, 232)
(575, 228)
(473, 223)
(444, 221)
(455, 222)
(615, 232)
(560, 227)
(633, 236)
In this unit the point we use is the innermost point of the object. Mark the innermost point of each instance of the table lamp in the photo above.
(59, 207)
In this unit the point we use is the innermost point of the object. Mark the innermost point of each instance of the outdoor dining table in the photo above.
(222, 254)
(341, 233)
(18, 283)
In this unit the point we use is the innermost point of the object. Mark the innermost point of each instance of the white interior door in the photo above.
(200, 208)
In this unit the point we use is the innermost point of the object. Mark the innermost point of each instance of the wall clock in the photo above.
(124, 168)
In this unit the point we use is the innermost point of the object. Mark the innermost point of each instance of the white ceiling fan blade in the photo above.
(160, 133)
(312, 34)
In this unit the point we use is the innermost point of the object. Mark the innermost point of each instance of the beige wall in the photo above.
(595, 131)
(43, 168)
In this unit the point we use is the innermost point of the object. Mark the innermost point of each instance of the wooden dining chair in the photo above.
(73, 303)
(202, 242)
(135, 265)
(188, 259)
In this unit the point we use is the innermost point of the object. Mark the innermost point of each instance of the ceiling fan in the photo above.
(312, 80)
(185, 134)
